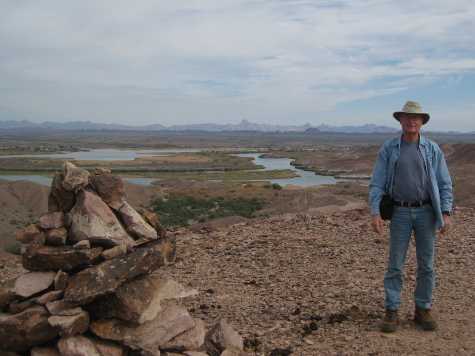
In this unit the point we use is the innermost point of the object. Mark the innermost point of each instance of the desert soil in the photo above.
(312, 284)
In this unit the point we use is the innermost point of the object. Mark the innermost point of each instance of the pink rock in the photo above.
(135, 224)
(221, 337)
(110, 188)
(173, 321)
(93, 220)
(19, 332)
(77, 346)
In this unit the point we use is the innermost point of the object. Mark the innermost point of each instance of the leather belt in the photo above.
(408, 204)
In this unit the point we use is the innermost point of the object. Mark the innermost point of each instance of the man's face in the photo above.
(411, 124)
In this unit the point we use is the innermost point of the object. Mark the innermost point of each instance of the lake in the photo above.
(305, 179)
(108, 154)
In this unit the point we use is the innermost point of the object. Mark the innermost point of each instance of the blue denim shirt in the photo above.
(435, 166)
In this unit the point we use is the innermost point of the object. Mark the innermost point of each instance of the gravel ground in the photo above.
(312, 285)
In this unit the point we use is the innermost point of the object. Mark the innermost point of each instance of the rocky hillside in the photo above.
(312, 285)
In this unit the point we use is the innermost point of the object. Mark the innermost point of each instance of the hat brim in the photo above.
(425, 116)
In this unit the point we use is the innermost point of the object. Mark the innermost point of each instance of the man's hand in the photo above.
(447, 224)
(377, 223)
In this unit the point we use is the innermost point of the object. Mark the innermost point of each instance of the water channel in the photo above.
(305, 178)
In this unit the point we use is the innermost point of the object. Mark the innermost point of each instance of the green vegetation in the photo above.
(13, 247)
(184, 210)
(220, 176)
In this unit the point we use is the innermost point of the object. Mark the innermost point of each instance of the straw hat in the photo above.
(412, 108)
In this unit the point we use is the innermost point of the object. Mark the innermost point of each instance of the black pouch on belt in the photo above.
(386, 207)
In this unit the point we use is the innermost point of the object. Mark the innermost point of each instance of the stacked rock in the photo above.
(90, 289)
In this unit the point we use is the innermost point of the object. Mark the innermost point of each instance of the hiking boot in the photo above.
(424, 319)
(390, 321)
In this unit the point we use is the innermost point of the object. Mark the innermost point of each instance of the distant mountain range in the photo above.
(244, 125)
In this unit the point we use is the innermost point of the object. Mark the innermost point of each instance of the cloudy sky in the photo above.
(268, 61)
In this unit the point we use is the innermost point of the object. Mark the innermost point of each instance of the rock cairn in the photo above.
(90, 290)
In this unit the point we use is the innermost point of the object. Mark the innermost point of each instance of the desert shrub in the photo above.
(276, 186)
(184, 210)
(13, 248)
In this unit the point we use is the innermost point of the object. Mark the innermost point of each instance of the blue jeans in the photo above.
(404, 221)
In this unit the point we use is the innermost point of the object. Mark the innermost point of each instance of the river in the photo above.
(305, 178)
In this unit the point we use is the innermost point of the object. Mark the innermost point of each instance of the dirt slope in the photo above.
(20, 203)
(23, 202)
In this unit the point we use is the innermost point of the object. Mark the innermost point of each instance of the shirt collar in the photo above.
(422, 140)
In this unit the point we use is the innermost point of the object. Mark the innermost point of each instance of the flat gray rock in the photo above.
(150, 336)
(106, 277)
(61, 307)
(32, 283)
(49, 297)
(109, 348)
(192, 339)
(69, 325)
(44, 258)
(139, 300)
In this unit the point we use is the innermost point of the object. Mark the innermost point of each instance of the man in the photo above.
(412, 170)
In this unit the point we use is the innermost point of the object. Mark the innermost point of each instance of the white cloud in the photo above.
(175, 61)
